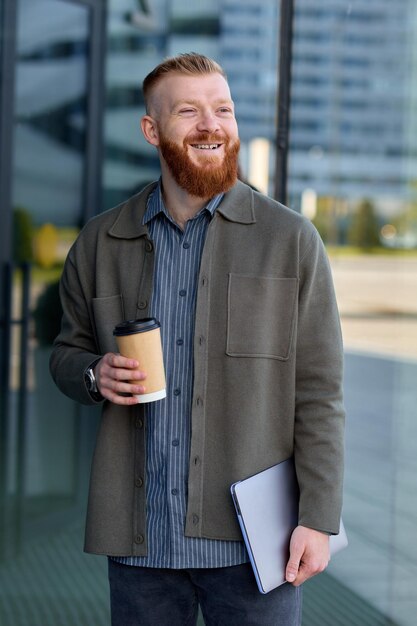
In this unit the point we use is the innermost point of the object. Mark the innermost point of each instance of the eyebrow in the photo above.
(197, 103)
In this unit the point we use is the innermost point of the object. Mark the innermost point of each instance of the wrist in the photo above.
(91, 382)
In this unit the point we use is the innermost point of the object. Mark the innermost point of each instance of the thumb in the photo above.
(293, 565)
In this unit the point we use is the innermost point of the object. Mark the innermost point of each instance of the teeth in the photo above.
(206, 146)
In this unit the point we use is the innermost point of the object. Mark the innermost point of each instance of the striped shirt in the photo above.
(177, 263)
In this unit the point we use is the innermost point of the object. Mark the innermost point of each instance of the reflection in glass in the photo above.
(137, 41)
(352, 171)
(50, 110)
(49, 141)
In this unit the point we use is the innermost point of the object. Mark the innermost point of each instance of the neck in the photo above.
(180, 205)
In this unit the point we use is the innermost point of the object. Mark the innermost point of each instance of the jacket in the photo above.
(267, 365)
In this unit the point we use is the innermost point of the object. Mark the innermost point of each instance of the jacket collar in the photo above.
(129, 218)
(236, 206)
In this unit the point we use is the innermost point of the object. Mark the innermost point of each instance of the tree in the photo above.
(364, 228)
(22, 235)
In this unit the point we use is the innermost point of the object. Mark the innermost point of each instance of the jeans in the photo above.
(228, 596)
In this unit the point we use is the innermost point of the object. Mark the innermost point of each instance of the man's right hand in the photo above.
(113, 375)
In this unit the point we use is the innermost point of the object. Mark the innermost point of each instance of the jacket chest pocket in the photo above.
(261, 314)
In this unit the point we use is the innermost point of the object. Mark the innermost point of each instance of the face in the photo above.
(192, 124)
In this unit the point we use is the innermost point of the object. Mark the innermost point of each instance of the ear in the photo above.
(150, 130)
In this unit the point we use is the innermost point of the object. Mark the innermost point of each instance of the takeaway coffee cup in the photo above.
(141, 340)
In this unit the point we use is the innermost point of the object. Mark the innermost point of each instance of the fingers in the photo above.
(309, 555)
(117, 376)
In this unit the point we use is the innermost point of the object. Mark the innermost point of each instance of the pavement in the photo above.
(377, 298)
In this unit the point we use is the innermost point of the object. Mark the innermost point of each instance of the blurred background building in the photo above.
(71, 147)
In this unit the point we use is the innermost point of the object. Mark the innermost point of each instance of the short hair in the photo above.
(188, 63)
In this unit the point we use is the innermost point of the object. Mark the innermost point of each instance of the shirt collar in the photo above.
(156, 204)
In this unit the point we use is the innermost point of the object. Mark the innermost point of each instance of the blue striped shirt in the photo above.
(177, 263)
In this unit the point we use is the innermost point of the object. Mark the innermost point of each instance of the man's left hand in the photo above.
(309, 555)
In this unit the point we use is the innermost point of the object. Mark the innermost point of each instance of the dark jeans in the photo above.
(228, 596)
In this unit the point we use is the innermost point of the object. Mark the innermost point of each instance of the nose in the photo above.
(208, 122)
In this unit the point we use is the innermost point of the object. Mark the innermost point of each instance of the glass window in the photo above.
(50, 110)
(357, 183)
(45, 444)
(137, 33)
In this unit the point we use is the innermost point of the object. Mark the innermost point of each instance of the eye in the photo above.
(225, 111)
(187, 111)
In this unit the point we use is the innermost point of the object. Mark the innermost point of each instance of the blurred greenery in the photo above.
(23, 230)
(363, 231)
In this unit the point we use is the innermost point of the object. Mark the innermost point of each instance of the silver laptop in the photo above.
(267, 511)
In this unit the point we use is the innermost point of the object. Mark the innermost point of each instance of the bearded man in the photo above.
(252, 349)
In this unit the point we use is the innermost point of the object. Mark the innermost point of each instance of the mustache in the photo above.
(206, 138)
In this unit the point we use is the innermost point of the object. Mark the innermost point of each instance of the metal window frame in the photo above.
(95, 107)
(283, 100)
(8, 26)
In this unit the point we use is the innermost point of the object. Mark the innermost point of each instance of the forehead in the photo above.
(175, 88)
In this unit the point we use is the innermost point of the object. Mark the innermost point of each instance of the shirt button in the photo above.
(177, 392)
(139, 539)
(175, 442)
(180, 342)
(186, 245)
(174, 492)
(183, 292)
(139, 482)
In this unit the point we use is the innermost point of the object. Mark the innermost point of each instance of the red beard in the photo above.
(212, 176)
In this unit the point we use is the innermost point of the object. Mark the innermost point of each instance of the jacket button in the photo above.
(138, 482)
(139, 423)
(142, 304)
(149, 246)
(139, 539)
(195, 519)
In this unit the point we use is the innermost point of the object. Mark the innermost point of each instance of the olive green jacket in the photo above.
(267, 365)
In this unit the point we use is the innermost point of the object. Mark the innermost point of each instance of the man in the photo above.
(253, 356)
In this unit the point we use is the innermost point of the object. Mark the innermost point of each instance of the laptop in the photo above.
(267, 510)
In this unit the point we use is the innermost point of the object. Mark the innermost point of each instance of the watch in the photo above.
(91, 383)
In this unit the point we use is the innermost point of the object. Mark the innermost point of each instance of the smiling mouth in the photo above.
(206, 146)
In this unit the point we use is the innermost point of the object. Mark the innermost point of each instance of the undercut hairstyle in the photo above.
(188, 63)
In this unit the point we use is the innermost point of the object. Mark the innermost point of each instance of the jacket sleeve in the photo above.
(319, 412)
(75, 348)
